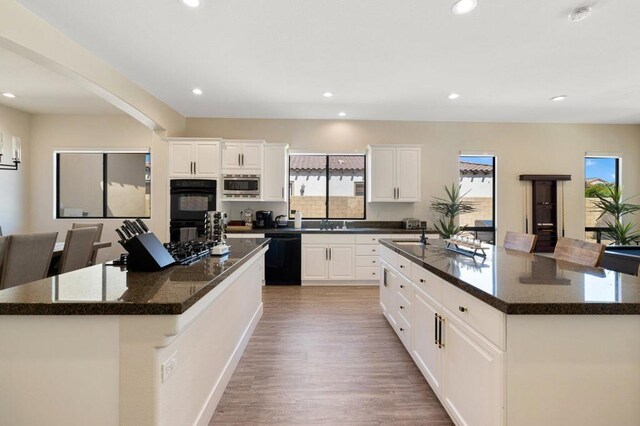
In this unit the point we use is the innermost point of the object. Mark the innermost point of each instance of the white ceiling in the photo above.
(384, 59)
(42, 91)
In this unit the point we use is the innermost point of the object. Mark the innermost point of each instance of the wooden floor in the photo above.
(326, 355)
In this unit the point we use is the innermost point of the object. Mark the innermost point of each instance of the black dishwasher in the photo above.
(283, 259)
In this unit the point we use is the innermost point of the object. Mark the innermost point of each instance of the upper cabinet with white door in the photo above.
(194, 158)
(393, 173)
(242, 157)
(274, 172)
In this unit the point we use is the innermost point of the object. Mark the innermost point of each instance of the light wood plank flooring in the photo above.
(326, 355)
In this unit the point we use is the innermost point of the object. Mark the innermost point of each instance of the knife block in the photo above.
(147, 254)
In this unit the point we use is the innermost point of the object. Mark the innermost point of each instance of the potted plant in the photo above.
(449, 208)
(613, 208)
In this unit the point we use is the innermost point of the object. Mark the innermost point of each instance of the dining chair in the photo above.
(578, 251)
(98, 235)
(2, 243)
(26, 258)
(520, 242)
(78, 249)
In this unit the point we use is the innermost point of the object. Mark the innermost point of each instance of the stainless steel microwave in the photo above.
(246, 186)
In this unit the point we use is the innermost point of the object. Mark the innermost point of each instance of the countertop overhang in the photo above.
(111, 290)
(528, 284)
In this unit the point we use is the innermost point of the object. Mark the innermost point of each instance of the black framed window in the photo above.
(103, 185)
(600, 174)
(478, 186)
(328, 186)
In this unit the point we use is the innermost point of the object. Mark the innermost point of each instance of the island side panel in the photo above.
(573, 369)
(206, 343)
(59, 370)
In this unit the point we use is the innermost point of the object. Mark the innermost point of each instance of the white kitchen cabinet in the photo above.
(393, 173)
(473, 376)
(341, 262)
(194, 158)
(315, 262)
(465, 369)
(426, 353)
(328, 259)
(242, 157)
(274, 173)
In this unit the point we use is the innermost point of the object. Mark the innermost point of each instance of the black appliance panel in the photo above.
(264, 219)
(192, 198)
(283, 260)
(239, 185)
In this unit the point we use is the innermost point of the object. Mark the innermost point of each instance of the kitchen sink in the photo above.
(409, 243)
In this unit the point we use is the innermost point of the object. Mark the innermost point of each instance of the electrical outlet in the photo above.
(169, 366)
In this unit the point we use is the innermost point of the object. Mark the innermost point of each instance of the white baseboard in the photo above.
(218, 389)
(340, 283)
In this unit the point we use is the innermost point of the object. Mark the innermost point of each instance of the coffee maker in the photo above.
(264, 219)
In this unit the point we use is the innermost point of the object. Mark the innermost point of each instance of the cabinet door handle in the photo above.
(440, 344)
(435, 328)
(242, 156)
(401, 286)
(283, 192)
(401, 307)
(401, 266)
(384, 278)
(421, 280)
(462, 309)
(373, 261)
(326, 254)
(195, 167)
(330, 254)
(238, 159)
(398, 193)
(401, 329)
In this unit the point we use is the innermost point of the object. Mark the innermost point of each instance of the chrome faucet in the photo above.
(423, 237)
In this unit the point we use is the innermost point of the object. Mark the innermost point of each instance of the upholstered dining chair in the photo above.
(98, 235)
(78, 249)
(26, 258)
(520, 242)
(578, 251)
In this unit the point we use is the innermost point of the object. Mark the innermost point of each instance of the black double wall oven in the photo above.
(190, 200)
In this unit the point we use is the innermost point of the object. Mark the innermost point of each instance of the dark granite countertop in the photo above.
(109, 290)
(527, 284)
(332, 231)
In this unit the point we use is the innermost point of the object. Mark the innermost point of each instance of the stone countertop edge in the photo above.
(587, 308)
(120, 308)
(288, 230)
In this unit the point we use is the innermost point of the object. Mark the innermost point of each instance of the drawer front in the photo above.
(404, 288)
(486, 320)
(403, 329)
(368, 250)
(403, 307)
(368, 238)
(367, 273)
(388, 255)
(404, 265)
(428, 282)
(328, 238)
(367, 260)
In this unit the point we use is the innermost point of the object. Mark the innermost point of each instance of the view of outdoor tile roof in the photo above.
(318, 162)
(467, 168)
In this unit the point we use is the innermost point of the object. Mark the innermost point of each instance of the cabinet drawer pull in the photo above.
(401, 329)
(401, 286)
(373, 273)
(421, 280)
(373, 261)
(462, 309)
(401, 307)
(401, 266)
(435, 328)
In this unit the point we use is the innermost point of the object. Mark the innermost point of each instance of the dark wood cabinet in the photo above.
(544, 210)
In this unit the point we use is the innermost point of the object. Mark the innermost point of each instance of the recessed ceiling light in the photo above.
(191, 3)
(197, 91)
(327, 94)
(463, 6)
(580, 13)
(342, 114)
(8, 95)
(453, 96)
(559, 98)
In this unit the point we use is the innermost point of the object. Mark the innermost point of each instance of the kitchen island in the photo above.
(103, 346)
(516, 339)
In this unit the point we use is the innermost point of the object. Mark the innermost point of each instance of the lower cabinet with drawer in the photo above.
(456, 340)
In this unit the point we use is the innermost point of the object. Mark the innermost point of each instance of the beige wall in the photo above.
(520, 148)
(59, 132)
(14, 185)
